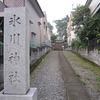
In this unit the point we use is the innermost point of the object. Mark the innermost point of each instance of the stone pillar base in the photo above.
(31, 95)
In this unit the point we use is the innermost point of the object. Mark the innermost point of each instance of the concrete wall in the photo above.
(93, 55)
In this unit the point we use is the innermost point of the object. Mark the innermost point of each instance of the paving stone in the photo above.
(56, 80)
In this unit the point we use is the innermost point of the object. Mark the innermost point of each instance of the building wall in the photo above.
(39, 30)
(45, 29)
(93, 6)
(49, 37)
(42, 31)
(34, 18)
(70, 32)
(88, 2)
(45, 34)
(37, 26)
(2, 6)
(14, 3)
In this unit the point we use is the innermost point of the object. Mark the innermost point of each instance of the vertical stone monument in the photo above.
(16, 56)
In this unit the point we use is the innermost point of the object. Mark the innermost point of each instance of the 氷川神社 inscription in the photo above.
(16, 51)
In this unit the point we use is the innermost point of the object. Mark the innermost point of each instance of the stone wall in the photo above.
(37, 54)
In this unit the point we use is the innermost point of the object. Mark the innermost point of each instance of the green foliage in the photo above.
(61, 25)
(81, 12)
(98, 78)
(92, 26)
(86, 27)
(80, 17)
(53, 37)
(75, 43)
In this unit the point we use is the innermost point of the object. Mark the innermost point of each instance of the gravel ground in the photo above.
(87, 77)
(47, 78)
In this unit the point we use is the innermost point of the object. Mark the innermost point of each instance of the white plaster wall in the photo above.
(42, 30)
(34, 17)
(72, 35)
(93, 5)
(69, 41)
(49, 39)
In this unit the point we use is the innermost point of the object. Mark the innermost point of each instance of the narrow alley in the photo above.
(55, 79)
(49, 50)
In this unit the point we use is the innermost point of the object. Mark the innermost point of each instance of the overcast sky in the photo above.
(57, 9)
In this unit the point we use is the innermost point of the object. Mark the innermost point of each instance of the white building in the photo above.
(94, 6)
(39, 34)
(70, 32)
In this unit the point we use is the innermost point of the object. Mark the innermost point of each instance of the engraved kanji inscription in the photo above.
(14, 77)
(14, 20)
(14, 58)
(14, 38)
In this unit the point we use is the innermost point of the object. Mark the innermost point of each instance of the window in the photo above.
(33, 38)
(44, 24)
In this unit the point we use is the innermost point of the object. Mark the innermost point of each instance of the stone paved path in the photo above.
(74, 88)
(55, 79)
(48, 79)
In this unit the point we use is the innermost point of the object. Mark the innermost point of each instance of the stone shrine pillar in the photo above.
(16, 56)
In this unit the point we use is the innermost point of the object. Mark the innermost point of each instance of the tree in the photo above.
(61, 26)
(50, 27)
(80, 14)
(80, 17)
(75, 43)
(53, 37)
(86, 27)
(92, 26)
